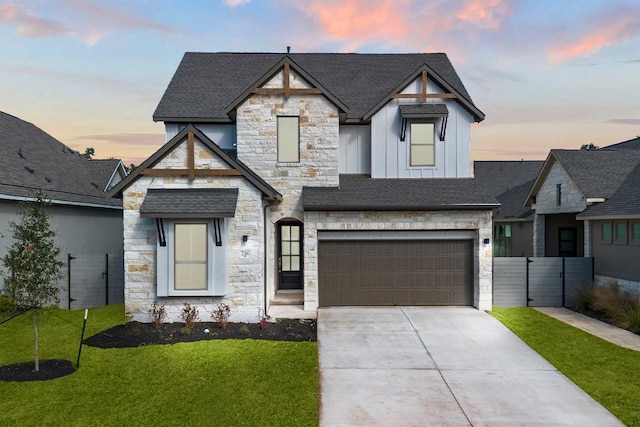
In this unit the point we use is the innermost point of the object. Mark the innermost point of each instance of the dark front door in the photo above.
(290, 255)
(568, 242)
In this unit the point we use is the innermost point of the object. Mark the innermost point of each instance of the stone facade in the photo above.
(624, 285)
(478, 221)
(256, 122)
(245, 259)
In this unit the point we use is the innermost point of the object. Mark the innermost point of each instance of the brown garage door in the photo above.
(391, 272)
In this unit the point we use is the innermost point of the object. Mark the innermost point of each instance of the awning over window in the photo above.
(190, 203)
(427, 111)
(424, 111)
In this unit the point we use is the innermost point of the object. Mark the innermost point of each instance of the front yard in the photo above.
(217, 382)
(609, 373)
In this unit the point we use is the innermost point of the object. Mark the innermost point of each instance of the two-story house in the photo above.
(309, 179)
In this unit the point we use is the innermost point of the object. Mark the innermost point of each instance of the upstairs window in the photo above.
(558, 194)
(502, 240)
(635, 232)
(288, 139)
(620, 233)
(605, 232)
(422, 144)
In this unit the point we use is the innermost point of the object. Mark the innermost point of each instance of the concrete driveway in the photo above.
(420, 366)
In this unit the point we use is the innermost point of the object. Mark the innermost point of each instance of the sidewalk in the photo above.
(607, 332)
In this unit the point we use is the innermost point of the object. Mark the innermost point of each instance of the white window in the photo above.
(288, 139)
(191, 264)
(422, 144)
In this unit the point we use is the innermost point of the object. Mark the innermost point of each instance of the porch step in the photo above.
(291, 312)
(288, 297)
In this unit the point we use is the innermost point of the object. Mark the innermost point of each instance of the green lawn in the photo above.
(609, 373)
(225, 383)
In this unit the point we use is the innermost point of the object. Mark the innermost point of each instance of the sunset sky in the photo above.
(547, 73)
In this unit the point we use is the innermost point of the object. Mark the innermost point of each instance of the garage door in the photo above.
(393, 272)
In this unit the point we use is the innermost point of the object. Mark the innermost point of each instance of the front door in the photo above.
(568, 241)
(290, 255)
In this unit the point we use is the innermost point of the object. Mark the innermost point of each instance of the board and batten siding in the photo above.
(390, 156)
(223, 135)
(355, 149)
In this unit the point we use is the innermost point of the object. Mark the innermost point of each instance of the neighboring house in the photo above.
(311, 180)
(86, 220)
(107, 171)
(586, 204)
(509, 182)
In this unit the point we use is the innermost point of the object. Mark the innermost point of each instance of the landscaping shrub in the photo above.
(221, 315)
(611, 304)
(189, 315)
(157, 314)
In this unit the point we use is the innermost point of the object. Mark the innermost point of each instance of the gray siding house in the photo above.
(586, 204)
(509, 182)
(309, 180)
(88, 222)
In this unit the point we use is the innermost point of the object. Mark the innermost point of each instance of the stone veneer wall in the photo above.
(403, 221)
(245, 285)
(625, 285)
(256, 122)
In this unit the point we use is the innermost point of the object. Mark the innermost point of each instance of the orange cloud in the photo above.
(30, 25)
(361, 20)
(484, 13)
(623, 27)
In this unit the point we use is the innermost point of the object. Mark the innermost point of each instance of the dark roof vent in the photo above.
(20, 154)
(30, 169)
(95, 185)
(46, 178)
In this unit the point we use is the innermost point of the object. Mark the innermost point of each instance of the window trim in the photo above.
(283, 143)
(216, 261)
(558, 194)
(623, 240)
(606, 240)
(432, 144)
(632, 241)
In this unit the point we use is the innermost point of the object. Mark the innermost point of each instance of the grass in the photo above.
(218, 382)
(607, 372)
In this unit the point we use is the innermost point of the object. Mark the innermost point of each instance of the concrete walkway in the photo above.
(615, 335)
(421, 366)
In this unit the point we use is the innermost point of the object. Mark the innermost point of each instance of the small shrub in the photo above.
(185, 330)
(244, 330)
(189, 315)
(157, 314)
(221, 315)
(611, 304)
(264, 320)
(6, 303)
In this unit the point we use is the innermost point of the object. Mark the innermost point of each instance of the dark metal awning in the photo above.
(190, 203)
(428, 111)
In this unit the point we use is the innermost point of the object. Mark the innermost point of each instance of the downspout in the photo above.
(264, 254)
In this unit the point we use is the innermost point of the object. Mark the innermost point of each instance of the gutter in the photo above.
(59, 202)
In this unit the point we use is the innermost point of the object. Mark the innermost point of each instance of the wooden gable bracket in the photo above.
(423, 95)
(286, 89)
(191, 172)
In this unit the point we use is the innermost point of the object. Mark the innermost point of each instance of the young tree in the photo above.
(32, 265)
(89, 152)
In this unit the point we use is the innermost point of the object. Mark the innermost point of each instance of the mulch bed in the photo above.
(136, 334)
(49, 369)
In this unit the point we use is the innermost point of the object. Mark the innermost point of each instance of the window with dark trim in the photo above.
(605, 232)
(422, 151)
(502, 240)
(558, 194)
(620, 232)
(634, 232)
(288, 139)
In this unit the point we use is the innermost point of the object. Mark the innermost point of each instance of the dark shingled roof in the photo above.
(32, 160)
(632, 144)
(509, 182)
(360, 192)
(624, 202)
(102, 170)
(598, 173)
(205, 85)
(190, 203)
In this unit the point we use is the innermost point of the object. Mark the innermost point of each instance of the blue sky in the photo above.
(547, 73)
